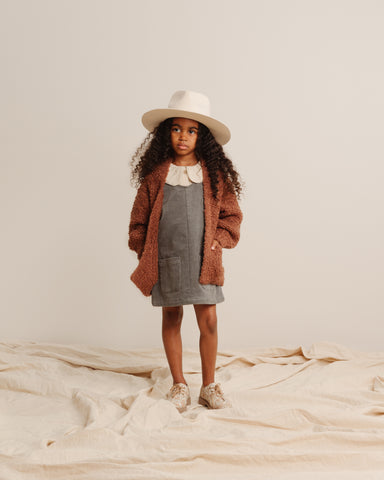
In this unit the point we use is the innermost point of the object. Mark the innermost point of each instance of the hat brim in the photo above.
(151, 120)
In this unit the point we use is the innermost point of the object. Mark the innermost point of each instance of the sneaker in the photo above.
(212, 396)
(180, 396)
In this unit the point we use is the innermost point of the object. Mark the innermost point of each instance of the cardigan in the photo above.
(222, 217)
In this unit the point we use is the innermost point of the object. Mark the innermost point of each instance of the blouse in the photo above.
(184, 175)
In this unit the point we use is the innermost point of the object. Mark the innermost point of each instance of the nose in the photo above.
(182, 134)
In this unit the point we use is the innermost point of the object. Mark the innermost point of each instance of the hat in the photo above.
(188, 104)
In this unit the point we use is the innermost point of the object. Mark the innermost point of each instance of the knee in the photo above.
(172, 317)
(208, 325)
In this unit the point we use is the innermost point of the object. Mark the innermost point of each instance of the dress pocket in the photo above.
(170, 274)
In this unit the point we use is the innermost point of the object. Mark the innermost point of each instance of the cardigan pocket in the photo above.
(170, 274)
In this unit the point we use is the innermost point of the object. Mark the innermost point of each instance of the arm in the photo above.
(230, 218)
(139, 220)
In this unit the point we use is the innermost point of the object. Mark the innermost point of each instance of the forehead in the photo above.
(185, 122)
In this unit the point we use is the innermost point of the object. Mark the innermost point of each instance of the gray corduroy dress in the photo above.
(180, 247)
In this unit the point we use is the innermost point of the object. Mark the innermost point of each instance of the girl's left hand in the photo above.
(215, 244)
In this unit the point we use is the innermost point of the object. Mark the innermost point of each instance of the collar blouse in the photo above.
(184, 175)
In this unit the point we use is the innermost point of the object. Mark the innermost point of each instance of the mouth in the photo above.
(182, 146)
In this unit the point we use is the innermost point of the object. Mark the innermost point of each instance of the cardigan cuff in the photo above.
(225, 239)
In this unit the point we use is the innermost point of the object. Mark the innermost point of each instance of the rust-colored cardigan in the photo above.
(222, 223)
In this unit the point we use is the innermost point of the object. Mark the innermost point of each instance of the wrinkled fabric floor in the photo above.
(86, 412)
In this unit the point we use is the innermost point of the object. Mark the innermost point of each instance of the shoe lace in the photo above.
(178, 390)
(216, 390)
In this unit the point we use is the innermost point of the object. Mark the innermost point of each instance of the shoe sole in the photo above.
(205, 403)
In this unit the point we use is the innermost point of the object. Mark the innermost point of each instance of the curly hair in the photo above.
(156, 148)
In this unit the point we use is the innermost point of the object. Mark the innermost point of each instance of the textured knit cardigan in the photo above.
(222, 219)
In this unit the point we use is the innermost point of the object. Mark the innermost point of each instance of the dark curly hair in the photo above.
(156, 148)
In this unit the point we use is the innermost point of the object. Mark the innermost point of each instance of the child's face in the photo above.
(184, 135)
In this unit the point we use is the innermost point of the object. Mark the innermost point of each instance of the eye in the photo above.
(175, 129)
(192, 131)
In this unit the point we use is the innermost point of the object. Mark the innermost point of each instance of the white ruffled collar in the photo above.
(184, 175)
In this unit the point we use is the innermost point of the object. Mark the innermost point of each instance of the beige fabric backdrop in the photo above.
(300, 85)
(78, 411)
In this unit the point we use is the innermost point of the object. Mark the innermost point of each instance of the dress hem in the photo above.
(190, 302)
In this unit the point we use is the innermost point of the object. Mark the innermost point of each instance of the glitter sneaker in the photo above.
(212, 396)
(180, 396)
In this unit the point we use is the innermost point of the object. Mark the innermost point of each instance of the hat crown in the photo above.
(190, 102)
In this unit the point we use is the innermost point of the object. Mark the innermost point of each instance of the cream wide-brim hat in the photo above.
(192, 105)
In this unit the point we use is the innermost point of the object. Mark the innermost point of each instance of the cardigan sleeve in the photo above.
(230, 218)
(139, 220)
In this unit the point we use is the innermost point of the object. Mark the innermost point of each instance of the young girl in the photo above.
(185, 211)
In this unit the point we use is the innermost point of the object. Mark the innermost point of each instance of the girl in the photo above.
(185, 211)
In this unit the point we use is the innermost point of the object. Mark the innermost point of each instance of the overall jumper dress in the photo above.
(180, 242)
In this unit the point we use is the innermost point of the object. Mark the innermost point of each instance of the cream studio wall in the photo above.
(300, 85)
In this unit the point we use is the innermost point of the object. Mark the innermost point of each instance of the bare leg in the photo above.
(207, 321)
(172, 317)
